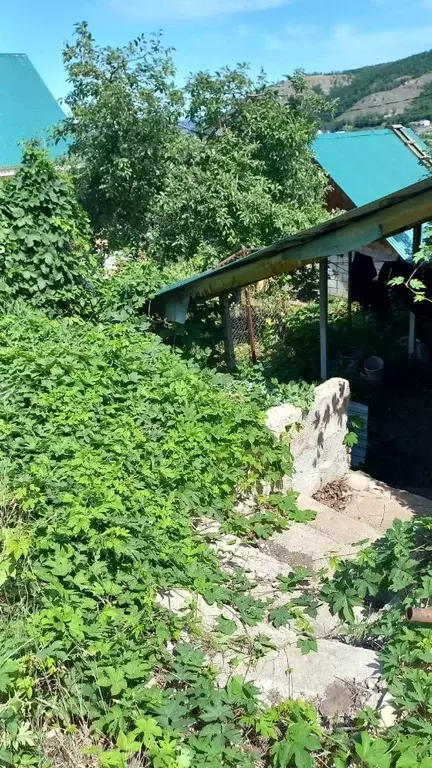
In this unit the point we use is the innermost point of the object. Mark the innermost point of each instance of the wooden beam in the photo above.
(323, 301)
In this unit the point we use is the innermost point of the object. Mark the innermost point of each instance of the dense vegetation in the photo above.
(114, 446)
(386, 579)
(245, 177)
(47, 257)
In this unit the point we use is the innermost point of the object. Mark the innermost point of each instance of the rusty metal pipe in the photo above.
(419, 615)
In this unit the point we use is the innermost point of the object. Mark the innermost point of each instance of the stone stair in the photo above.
(338, 677)
(378, 504)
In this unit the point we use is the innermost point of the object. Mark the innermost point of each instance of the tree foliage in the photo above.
(124, 109)
(247, 178)
(46, 252)
(243, 175)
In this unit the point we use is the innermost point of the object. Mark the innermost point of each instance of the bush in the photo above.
(45, 240)
(112, 447)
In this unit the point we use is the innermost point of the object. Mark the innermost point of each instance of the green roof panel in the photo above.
(27, 109)
(371, 164)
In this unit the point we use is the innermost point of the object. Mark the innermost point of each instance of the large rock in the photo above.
(317, 439)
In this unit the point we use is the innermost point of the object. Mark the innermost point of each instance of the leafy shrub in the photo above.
(111, 447)
(394, 571)
(45, 240)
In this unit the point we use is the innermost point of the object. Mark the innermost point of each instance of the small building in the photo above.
(28, 110)
(364, 166)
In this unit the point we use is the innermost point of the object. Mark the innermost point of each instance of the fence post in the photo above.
(350, 259)
(250, 326)
(323, 300)
(228, 335)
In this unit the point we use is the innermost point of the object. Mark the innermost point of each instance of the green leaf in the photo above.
(375, 753)
(307, 644)
(225, 626)
(281, 615)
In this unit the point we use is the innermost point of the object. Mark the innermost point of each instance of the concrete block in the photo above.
(319, 453)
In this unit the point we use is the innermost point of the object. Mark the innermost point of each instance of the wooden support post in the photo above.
(250, 326)
(228, 335)
(323, 294)
(412, 319)
(350, 258)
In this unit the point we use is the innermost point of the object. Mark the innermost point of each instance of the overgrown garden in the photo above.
(116, 445)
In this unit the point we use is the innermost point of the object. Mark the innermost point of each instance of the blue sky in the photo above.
(279, 35)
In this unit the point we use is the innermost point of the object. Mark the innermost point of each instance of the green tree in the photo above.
(47, 258)
(124, 109)
(243, 176)
(247, 177)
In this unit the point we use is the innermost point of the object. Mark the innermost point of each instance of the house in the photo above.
(364, 166)
(27, 110)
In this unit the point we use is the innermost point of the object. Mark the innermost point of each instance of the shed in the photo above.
(364, 166)
(383, 218)
(27, 110)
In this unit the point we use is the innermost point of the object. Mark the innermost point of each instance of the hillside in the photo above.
(378, 94)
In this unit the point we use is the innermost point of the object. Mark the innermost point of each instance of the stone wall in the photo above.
(317, 438)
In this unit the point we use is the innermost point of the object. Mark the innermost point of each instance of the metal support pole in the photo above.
(412, 319)
(228, 336)
(250, 326)
(323, 292)
(350, 257)
(411, 335)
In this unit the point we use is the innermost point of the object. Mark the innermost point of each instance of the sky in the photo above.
(278, 35)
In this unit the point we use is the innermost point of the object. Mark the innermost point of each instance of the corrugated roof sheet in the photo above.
(27, 108)
(340, 234)
(371, 164)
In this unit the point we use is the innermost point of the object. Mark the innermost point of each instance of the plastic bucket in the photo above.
(373, 367)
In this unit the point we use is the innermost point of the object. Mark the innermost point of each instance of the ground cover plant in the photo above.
(111, 447)
(387, 578)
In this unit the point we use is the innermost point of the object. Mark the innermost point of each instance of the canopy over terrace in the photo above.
(410, 207)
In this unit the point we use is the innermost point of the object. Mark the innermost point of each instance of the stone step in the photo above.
(339, 678)
(311, 545)
(377, 504)
(335, 525)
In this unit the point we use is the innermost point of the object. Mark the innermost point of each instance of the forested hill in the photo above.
(374, 95)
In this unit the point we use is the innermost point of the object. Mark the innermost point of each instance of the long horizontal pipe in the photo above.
(419, 615)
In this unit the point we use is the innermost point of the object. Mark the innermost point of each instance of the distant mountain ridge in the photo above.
(398, 91)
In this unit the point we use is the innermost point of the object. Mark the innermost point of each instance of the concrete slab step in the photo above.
(335, 525)
(377, 504)
(339, 678)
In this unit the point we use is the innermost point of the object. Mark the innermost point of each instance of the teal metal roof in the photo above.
(371, 164)
(27, 109)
